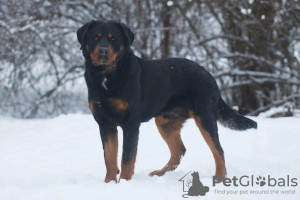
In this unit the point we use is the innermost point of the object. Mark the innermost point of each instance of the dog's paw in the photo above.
(157, 173)
(109, 179)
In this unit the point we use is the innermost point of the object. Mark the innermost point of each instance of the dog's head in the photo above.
(104, 42)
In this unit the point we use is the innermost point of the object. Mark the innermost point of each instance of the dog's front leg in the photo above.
(109, 137)
(130, 142)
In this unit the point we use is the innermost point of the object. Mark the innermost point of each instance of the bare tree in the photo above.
(249, 46)
(262, 39)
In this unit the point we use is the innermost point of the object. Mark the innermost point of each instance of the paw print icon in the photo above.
(261, 181)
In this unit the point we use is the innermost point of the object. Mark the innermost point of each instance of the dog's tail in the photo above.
(231, 119)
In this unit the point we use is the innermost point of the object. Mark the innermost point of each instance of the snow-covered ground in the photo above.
(62, 158)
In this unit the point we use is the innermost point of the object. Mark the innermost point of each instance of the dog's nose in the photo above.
(103, 51)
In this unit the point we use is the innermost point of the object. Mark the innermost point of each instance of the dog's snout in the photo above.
(103, 51)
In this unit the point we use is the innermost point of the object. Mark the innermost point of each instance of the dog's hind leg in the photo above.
(209, 130)
(170, 132)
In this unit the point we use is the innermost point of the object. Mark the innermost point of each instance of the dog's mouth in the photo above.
(100, 62)
(104, 66)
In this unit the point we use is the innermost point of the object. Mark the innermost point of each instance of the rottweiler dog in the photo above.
(125, 90)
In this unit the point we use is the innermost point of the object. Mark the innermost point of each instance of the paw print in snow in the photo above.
(261, 181)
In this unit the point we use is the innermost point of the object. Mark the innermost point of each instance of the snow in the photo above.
(170, 3)
(273, 111)
(62, 158)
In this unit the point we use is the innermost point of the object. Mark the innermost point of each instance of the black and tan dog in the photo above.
(125, 90)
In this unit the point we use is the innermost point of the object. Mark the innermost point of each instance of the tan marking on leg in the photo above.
(128, 169)
(219, 161)
(92, 105)
(170, 132)
(119, 104)
(110, 155)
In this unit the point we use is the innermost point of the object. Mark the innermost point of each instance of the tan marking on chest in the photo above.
(92, 106)
(118, 104)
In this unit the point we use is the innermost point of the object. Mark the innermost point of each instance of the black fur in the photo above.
(131, 90)
(81, 33)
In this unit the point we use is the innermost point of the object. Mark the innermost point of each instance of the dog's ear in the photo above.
(129, 34)
(82, 32)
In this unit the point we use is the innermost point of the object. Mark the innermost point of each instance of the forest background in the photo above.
(251, 47)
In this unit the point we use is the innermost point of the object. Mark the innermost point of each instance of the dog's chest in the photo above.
(118, 105)
(116, 109)
(111, 99)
